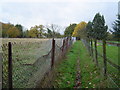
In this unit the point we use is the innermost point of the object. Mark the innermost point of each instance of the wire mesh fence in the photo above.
(113, 69)
(30, 61)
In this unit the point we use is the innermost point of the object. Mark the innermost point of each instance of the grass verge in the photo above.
(66, 71)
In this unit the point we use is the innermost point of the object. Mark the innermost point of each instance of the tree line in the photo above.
(38, 31)
(92, 32)
(94, 29)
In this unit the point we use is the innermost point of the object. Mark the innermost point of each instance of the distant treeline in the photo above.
(38, 31)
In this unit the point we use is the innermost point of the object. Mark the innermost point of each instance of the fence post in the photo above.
(92, 49)
(96, 57)
(104, 57)
(63, 45)
(53, 53)
(10, 65)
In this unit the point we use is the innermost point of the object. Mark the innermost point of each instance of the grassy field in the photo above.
(25, 53)
(111, 52)
(66, 71)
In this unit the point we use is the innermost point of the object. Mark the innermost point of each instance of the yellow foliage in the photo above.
(79, 29)
(13, 32)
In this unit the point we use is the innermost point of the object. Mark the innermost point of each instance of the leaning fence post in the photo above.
(53, 53)
(10, 65)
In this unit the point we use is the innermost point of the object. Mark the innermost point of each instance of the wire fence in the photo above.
(113, 70)
(26, 63)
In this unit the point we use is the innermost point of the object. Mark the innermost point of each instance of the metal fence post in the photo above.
(10, 65)
(53, 53)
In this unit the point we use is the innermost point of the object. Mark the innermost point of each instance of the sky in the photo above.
(61, 12)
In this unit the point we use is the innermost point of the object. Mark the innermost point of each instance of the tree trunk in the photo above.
(104, 57)
(96, 57)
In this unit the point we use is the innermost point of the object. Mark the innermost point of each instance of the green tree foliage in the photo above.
(99, 27)
(49, 33)
(26, 34)
(36, 31)
(54, 30)
(99, 33)
(20, 28)
(89, 29)
(33, 33)
(41, 30)
(116, 28)
(69, 30)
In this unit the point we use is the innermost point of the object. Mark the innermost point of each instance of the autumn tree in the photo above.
(37, 31)
(5, 28)
(69, 30)
(33, 32)
(13, 32)
(79, 30)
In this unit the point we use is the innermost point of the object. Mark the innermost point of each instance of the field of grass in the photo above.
(111, 52)
(25, 53)
(66, 71)
(114, 41)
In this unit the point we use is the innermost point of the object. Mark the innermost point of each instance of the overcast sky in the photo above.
(61, 12)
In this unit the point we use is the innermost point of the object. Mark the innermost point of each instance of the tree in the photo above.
(79, 30)
(100, 33)
(37, 31)
(5, 28)
(55, 29)
(116, 28)
(20, 28)
(99, 27)
(41, 30)
(13, 32)
(25, 34)
(69, 30)
(89, 31)
(49, 33)
(33, 33)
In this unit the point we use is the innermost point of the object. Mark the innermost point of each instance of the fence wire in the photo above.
(112, 72)
(31, 60)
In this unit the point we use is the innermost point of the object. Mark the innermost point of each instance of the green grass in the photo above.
(111, 52)
(91, 77)
(112, 55)
(114, 41)
(66, 71)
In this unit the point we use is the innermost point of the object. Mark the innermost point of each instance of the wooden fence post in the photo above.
(53, 53)
(104, 57)
(10, 65)
(96, 57)
(63, 45)
(92, 49)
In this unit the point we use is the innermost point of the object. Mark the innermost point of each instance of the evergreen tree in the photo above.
(116, 28)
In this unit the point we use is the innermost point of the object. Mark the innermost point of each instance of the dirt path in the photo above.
(78, 76)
